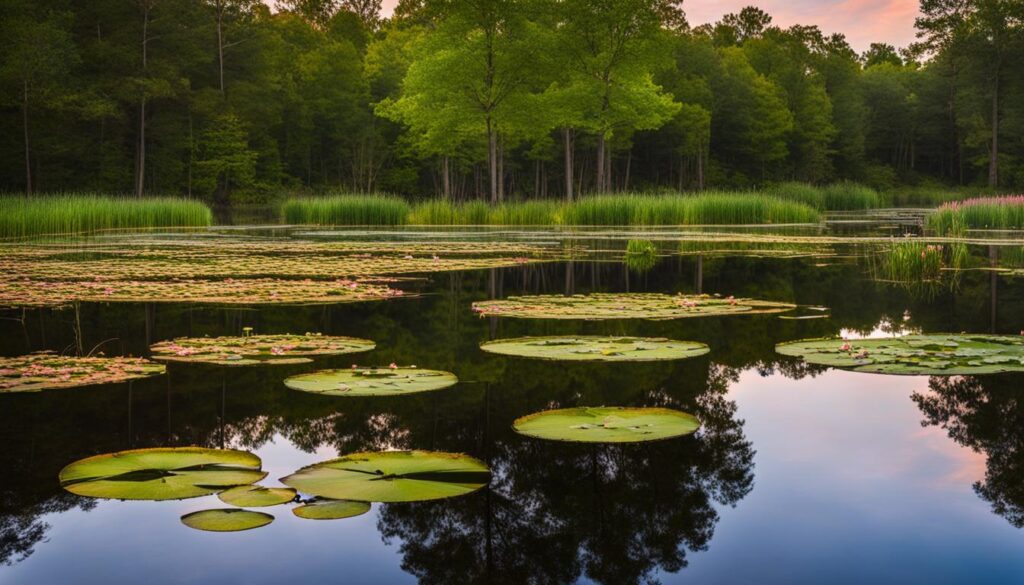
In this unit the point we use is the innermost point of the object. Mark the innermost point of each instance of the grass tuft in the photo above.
(346, 209)
(956, 217)
(65, 214)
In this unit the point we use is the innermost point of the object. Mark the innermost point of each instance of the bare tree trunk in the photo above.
(567, 136)
(501, 169)
(28, 149)
(492, 162)
(220, 44)
(993, 156)
(600, 161)
(629, 161)
(140, 164)
(700, 167)
(446, 184)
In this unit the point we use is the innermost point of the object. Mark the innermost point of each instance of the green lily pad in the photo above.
(933, 354)
(596, 348)
(607, 424)
(226, 520)
(256, 496)
(654, 306)
(322, 509)
(392, 476)
(46, 371)
(167, 473)
(256, 349)
(384, 381)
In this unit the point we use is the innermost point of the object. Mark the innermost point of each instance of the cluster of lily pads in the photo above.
(933, 354)
(339, 488)
(46, 370)
(598, 306)
(256, 349)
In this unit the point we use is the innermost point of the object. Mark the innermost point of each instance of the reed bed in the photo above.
(345, 209)
(843, 196)
(621, 209)
(954, 218)
(65, 214)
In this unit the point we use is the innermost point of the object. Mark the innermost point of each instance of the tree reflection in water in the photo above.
(986, 414)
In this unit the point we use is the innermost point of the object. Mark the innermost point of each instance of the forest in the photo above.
(236, 102)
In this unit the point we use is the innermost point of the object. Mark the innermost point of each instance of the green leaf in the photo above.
(256, 349)
(226, 520)
(323, 509)
(371, 381)
(597, 306)
(607, 424)
(254, 496)
(596, 348)
(392, 476)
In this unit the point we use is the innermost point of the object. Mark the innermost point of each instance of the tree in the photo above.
(225, 159)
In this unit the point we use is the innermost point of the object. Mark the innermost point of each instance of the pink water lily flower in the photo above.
(393, 366)
(845, 347)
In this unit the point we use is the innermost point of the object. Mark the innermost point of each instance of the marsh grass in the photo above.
(703, 209)
(843, 196)
(444, 212)
(956, 217)
(346, 209)
(77, 213)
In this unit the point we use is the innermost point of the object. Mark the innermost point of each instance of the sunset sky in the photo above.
(863, 21)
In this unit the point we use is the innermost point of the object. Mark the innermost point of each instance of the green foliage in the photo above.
(85, 213)
(704, 208)
(980, 213)
(346, 209)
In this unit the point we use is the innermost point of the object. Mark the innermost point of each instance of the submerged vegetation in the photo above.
(78, 213)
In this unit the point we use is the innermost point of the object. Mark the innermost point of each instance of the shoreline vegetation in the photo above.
(75, 213)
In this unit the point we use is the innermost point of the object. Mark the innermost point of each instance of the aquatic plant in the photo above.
(226, 520)
(362, 381)
(653, 306)
(346, 209)
(22, 217)
(954, 218)
(596, 348)
(46, 370)
(932, 354)
(641, 255)
(842, 196)
(326, 509)
(392, 476)
(256, 496)
(702, 209)
(256, 349)
(165, 473)
(607, 424)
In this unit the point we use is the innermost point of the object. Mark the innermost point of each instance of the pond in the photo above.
(798, 473)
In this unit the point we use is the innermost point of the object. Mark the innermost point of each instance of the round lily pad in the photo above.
(167, 473)
(933, 354)
(226, 520)
(607, 424)
(322, 509)
(392, 476)
(597, 348)
(654, 306)
(46, 370)
(385, 381)
(256, 349)
(256, 496)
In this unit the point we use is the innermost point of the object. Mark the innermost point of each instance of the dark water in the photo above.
(799, 475)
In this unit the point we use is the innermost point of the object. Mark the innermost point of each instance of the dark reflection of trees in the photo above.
(556, 512)
(985, 413)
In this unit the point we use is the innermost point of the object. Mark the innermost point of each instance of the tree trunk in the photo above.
(140, 165)
(993, 156)
(700, 167)
(220, 44)
(629, 161)
(492, 162)
(600, 161)
(501, 169)
(567, 136)
(28, 149)
(446, 184)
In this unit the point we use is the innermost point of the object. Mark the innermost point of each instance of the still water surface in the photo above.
(800, 474)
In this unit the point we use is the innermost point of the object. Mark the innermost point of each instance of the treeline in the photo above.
(228, 101)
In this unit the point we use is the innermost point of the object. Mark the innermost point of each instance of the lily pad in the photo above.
(654, 306)
(933, 354)
(226, 520)
(607, 424)
(256, 349)
(597, 348)
(46, 370)
(166, 473)
(321, 509)
(255, 496)
(384, 381)
(392, 476)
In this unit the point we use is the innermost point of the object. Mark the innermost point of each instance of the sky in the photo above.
(862, 21)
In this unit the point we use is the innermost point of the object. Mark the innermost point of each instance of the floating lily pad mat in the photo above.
(392, 476)
(654, 306)
(255, 496)
(321, 509)
(166, 473)
(256, 349)
(226, 520)
(383, 381)
(607, 424)
(597, 348)
(45, 370)
(935, 354)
